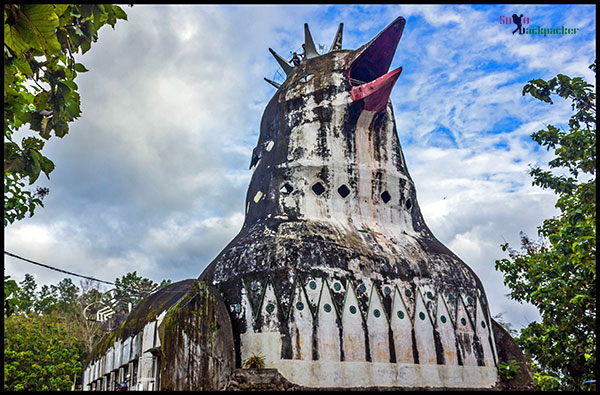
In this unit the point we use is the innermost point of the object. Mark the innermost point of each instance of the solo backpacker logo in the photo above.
(521, 20)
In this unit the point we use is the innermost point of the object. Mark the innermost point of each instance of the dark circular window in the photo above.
(318, 188)
(408, 204)
(407, 292)
(343, 191)
(451, 297)
(463, 321)
(429, 295)
(443, 319)
(352, 309)
(482, 324)
(469, 300)
(300, 305)
(422, 315)
(362, 288)
(270, 307)
(254, 286)
(337, 286)
(312, 285)
(237, 308)
(387, 290)
(376, 313)
(400, 314)
(327, 307)
(386, 197)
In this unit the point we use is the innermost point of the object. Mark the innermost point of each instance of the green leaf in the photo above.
(42, 22)
(120, 14)
(80, 68)
(23, 66)
(15, 40)
(70, 84)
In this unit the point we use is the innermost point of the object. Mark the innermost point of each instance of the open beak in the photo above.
(368, 72)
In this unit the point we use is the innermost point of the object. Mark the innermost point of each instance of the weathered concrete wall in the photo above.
(130, 352)
(334, 269)
(197, 342)
(508, 350)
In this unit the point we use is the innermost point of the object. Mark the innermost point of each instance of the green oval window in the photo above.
(422, 315)
(400, 314)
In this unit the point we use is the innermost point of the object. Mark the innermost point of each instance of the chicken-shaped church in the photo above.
(334, 280)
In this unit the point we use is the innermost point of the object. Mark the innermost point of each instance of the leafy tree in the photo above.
(132, 288)
(26, 294)
(47, 338)
(67, 294)
(40, 41)
(46, 300)
(557, 273)
(39, 354)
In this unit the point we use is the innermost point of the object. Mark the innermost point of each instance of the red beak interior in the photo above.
(368, 73)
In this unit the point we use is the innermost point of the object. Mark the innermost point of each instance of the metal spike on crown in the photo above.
(310, 51)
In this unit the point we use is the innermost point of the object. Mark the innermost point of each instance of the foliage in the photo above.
(509, 370)
(254, 362)
(40, 43)
(39, 353)
(10, 289)
(51, 322)
(557, 273)
(132, 288)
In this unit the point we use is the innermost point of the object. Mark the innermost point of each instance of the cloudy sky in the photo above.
(153, 175)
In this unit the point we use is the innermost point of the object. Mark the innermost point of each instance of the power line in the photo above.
(57, 269)
(130, 292)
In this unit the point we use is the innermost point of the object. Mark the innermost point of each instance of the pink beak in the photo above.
(376, 93)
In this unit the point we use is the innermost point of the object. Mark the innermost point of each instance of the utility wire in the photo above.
(134, 293)
(58, 270)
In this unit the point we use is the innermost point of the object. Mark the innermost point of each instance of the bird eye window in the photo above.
(307, 77)
(385, 196)
(343, 191)
(318, 189)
